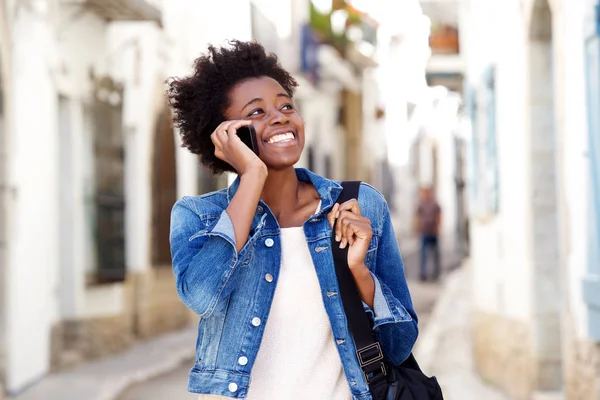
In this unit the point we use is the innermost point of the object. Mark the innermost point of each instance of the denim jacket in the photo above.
(233, 291)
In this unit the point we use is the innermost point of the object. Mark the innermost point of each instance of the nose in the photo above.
(279, 118)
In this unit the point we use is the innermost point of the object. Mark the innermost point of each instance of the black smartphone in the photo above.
(248, 135)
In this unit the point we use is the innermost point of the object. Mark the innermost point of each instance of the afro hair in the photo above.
(199, 101)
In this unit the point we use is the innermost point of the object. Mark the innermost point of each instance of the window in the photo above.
(481, 106)
(109, 158)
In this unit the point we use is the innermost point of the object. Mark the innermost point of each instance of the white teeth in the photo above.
(281, 137)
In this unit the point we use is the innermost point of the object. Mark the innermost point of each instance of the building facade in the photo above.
(535, 278)
(85, 143)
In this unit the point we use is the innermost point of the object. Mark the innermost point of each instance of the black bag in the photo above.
(386, 382)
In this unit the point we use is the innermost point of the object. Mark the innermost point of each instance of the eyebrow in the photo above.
(257, 99)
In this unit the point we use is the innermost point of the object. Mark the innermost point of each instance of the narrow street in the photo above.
(172, 386)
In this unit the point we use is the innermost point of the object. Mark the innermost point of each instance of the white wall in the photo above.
(446, 167)
(500, 243)
(81, 48)
(576, 162)
(374, 137)
(189, 27)
(319, 112)
(4, 166)
(33, 256)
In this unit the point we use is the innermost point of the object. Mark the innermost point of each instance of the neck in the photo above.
(281, 190)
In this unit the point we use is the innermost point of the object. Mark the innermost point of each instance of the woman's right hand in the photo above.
(230, 148)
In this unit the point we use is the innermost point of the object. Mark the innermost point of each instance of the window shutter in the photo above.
(591, 282)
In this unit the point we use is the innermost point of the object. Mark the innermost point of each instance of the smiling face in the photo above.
(279, 128)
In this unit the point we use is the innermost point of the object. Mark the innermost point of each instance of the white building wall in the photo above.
(500, 243)
(374, 137)
(81, 48)
(503, 245)
(190, 26)
(446, 167)
(33, 255)
(319, 111)
(576, 163)
(5, 115)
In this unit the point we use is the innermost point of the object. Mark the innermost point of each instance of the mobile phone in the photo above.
(248, 135)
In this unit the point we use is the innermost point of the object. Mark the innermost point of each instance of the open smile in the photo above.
(282, 139)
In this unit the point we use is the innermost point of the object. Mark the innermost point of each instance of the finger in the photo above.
(223, 126)
(361, 230)
(219, 135)
(356, 229)
(331, 216)
(343, 221)
(350, 236)
(235, 125)
(339, 228)
(216, 140)
(223, 135)
(345, 217)
(220, 155)
(352, 206)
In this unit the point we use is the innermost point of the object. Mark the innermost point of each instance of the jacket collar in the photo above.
(328, 190)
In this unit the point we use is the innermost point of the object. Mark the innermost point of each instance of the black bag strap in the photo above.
(368, 349)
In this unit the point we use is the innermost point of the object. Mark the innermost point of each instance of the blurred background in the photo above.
(494, 105)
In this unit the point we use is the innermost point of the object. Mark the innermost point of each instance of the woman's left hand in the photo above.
(353, 230)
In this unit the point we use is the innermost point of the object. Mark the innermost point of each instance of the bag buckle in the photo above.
(367, 357)
(371, 376)
(369, 354)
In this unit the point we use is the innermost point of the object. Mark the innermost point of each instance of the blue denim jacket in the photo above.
(232, 292)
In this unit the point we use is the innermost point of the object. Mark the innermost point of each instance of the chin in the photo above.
(281, 164)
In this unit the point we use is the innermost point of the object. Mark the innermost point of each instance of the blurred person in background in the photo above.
(428, 217)
(254, 260)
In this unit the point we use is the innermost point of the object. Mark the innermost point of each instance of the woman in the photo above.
(254, 260)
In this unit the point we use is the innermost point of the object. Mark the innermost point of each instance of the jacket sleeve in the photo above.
(393, 316)
(204, 257)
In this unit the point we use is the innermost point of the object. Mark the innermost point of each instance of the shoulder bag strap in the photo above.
(368, 350)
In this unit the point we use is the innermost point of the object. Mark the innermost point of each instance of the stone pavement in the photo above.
(107, 378)
(444, 348)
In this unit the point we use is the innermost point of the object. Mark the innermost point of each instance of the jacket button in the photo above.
(243, 360)
(269, 278)
(259, 210)
(269, 242)
(256, 321)
(233, 387)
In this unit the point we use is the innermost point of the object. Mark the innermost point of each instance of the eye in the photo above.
(287, 107)
(256, 112)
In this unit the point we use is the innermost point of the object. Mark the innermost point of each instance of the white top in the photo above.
(298, 358)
